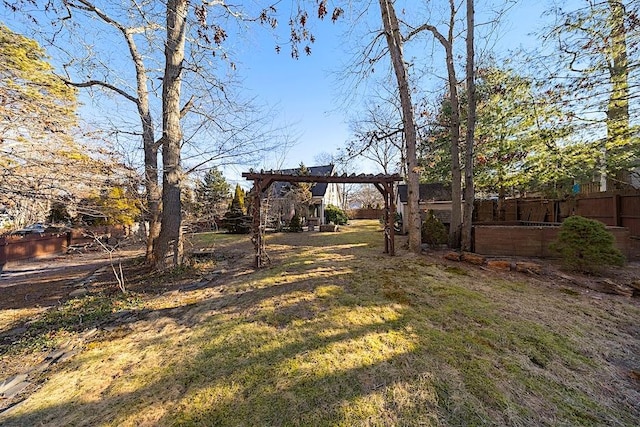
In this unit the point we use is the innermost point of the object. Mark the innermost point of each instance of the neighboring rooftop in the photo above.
(431, 191)
(318, 189)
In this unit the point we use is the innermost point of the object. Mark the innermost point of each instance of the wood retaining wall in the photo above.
(613, 208)
(532, 241)
(20, 248)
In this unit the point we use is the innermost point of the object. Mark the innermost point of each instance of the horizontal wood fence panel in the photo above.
(527, 241)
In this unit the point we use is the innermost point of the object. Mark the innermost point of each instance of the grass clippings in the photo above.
(337, 333)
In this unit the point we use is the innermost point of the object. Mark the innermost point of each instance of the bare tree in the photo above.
(379, 136)
(395, 43)
(447, 43)
(168, 251)
(469, 191)
(192, 40)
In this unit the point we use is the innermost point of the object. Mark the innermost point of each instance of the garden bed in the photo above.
(531, 240)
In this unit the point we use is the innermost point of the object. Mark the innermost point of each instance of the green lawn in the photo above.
(335, 333)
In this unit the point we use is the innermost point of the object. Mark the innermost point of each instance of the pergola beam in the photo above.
(337, 179)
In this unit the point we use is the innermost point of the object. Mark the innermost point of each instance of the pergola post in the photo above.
(256, 234)
(386, 189)
(390, 209)
(257, 237)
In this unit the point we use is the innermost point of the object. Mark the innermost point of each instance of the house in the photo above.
(433, 196)
(322, 193)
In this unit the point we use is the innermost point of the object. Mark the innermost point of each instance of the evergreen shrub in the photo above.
(585, 245)
(433, 230)
(334, 214)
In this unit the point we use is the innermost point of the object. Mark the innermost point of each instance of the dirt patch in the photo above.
(48, 281)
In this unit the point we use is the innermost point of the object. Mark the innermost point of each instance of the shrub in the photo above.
(335, 215)
(236, 222)
(433, 231)
(585, 245)
(295, 225)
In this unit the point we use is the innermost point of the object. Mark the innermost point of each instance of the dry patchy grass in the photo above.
(337, 333)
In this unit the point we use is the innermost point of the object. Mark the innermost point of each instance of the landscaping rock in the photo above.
(329, 227)
(80, 292)
(14, 390)
(528, 267)
(472, 258)
(11, 381)
(452, 256)
(499, 265)
(610, 287)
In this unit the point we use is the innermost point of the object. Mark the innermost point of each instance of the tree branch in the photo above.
(106, 85)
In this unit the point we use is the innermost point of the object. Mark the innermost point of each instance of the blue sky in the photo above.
(304, 90)
(305, 93)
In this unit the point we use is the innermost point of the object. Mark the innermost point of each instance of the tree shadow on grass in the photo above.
(321, 372)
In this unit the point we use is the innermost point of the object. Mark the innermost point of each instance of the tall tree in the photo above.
(395, 43)
(469, 190)
(447, 43)
(168, 250)
(598, 47)
(212, 195)
(138, 28)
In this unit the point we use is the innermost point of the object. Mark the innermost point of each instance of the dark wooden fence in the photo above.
(531, 240)
(365, 213)
(611, 208)
(18, 248)
(614, 209)
(15, 248)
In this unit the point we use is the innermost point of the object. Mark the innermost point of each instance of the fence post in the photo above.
(3, 252)
(617, 221)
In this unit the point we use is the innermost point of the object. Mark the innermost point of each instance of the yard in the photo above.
(334, 333)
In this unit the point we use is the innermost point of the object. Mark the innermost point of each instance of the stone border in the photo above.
(495, 264)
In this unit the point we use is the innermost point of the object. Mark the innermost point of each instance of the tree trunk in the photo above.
(394, 41)
(469, 191)
(454, 126)
(153, 193)
(169, 250)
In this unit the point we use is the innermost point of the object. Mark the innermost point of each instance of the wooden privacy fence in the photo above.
(16, 248)
(531, 241)
(19, 248)
(618, 210)
(365, 213)
(611, 208)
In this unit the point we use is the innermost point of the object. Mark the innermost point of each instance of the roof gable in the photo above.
(318, 189)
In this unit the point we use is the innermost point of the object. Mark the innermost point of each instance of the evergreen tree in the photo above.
(238, 199)
(212, 195)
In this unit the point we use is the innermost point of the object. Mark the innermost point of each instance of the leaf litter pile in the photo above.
(333, 333)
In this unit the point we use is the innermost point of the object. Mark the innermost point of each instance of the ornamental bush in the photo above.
(585, 245)
(433, 231)
(335, 215)
(295, 225)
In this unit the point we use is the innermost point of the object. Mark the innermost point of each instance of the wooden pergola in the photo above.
(263, 180)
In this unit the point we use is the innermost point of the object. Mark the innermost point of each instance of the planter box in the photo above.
(530, 241)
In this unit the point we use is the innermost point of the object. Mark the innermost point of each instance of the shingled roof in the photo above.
(318, 189)
(431, 191)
